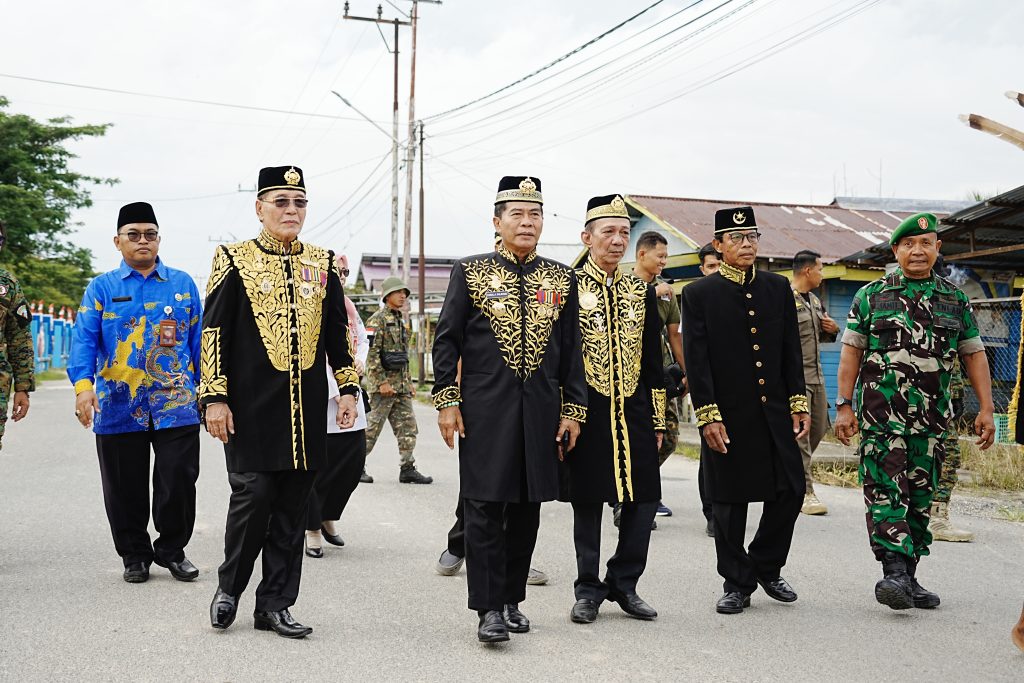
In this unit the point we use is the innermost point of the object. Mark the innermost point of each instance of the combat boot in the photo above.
(923, 598)
(894, 590)
(942, 529)
(410, 475)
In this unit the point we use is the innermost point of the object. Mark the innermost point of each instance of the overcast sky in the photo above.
(705, 111)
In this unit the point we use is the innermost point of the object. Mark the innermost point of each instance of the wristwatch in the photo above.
(842, 401)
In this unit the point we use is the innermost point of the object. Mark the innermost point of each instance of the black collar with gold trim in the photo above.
(595, 271)
(503, 250)
(736, 275)
(271, 244)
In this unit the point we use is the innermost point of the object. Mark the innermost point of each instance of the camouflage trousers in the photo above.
(5, 397)
(668, 443)
(398, 411)
(949, 478)
(900, 475)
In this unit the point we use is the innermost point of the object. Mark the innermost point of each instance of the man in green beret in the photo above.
(903, 336)
(389, 382)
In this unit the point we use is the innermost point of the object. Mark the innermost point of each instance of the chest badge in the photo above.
(588, 301)
(266, 286)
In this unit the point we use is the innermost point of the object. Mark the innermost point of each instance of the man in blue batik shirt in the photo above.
(135, 362)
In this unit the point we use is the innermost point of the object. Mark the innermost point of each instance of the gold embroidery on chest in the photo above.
(611, 331)
(221, 266)
(521, 323)
(272, 293)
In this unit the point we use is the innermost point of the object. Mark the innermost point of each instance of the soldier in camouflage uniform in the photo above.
(17, 360)
(902, 337)
(388, 381)
(940, 526)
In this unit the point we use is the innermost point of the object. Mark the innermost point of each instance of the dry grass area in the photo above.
(836, 474)
(688, 451)
(1000, 467)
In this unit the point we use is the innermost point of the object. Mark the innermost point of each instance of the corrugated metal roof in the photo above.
(832, 231)
(993, 223)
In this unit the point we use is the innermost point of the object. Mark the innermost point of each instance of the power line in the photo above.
(548, 65)
(172, 98)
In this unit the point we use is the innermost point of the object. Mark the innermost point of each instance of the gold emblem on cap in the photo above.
(292, 177)
(618, 204)
(922, 223)
(739, 218)
(527, 185)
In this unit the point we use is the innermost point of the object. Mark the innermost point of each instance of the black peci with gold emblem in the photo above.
(272, 315)
(616, 456)
(513, 325)
(744, 367)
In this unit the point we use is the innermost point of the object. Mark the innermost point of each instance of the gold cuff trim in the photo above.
(212, 382)
(83, 385)
(574, 412)
(799, 404)
(617, 209)
(447, 396)
(658, 405)
(347, 377)
(708, 414)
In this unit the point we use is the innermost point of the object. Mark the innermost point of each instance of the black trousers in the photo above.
(267, 513)
(346, 457)
(767, 553)
(457, 534)
(500, 538)
(630, 558)
(124, 472)
(705, 503)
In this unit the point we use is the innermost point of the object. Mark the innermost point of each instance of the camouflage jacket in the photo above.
(387, 334)
(17, 359)
(911, 332)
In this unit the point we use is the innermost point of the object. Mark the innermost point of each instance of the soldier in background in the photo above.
(816, 328)
(17, 362)
(651, 257)
(902, 337)
(389, 382)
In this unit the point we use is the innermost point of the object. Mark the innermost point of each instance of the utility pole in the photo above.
(379, 19)
(410, 159)
(422, 278)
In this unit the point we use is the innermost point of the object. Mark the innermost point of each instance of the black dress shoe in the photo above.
(223, 609)
(778, 589)
(333, 539)
(314, 552)
(515, 620)
(732, 603)
(365, 478)
(136, 572)
(584, 611)
(634, 606)
(492, 628)
(182, 571)
(280, 621)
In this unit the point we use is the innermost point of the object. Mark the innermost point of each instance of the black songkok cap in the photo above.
(608, 206)
(739, 218)
(519, 188)
(136, 212)
(280, 178)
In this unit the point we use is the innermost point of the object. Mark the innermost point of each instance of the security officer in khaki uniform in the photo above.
(816, 328)
(17, 362)
(388, 381)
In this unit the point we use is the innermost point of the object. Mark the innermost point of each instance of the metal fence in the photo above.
(999, 324)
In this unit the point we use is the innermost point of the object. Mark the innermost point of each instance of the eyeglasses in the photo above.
(738, 237)
(283, 202)
(344, 272)
(134, 236)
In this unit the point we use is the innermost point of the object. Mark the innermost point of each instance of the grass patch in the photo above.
(1014, 513)
(1000, 467)
(52, 375)
(836, 474)
(688, 450)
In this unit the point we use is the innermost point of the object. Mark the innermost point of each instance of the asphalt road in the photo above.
(380, 612)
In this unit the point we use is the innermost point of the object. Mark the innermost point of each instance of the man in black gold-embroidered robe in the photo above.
(616, 456)
(510, 316)
(275, 308)
(745, 370)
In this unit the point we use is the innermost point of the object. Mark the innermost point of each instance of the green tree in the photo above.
(38, 193)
